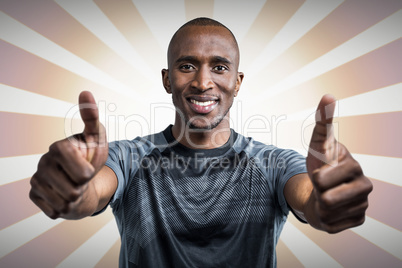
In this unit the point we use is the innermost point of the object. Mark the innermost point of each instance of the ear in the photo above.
(166, 81)
(239, 80)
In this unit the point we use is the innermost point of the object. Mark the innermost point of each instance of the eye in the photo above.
(186, 67)
(220, 68)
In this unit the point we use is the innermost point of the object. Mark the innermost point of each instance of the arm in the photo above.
(71, 181)
(333, 195)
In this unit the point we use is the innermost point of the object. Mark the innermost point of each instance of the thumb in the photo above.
(322, 149)
(89, 113)
(94, 134)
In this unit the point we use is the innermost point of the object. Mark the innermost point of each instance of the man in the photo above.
(199, 194)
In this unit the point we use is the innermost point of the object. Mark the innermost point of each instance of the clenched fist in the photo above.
(340, 189)
(62, 185)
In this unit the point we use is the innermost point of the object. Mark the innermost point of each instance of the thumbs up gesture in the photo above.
(62, 187)
(340, 189)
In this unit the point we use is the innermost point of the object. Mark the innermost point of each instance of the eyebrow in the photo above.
(215, 59)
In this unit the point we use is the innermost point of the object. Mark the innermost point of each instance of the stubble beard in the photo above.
(216, 121)
(214, 124)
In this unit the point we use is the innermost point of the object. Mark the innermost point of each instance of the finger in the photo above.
(345, 193)
(72, 162)
(328, 176)
(63, 185)
(50, 173)
(344, 224)
(47, 197)
(351, 210)
(44, 206)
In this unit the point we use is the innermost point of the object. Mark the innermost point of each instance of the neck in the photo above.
(202, 138)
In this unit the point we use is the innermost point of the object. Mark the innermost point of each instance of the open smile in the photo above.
(202, 105)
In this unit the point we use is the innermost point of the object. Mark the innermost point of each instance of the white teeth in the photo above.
(202, 103)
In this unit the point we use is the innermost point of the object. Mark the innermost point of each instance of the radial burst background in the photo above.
(292, 52)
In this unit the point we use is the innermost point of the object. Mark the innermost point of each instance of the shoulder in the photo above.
(266, 155)
(253, 148)
(140, 145)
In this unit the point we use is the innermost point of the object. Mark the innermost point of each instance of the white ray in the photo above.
(18, 167)
(24, 231)
(224, 10)
(385, 169)
(381, 168)
(92, 17)
(382, 33)
(19, 35)
(383, 100)
(306, 17)
(305, 250)
(162, 17)
(382, 235)
(16, 100)
(92, 251)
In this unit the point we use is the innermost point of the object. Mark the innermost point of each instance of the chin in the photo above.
(205, 125)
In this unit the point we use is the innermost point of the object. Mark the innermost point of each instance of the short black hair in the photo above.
(204, 21)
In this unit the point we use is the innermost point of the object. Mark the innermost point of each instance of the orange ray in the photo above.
(373, 134)
(111, 258)
(63, 29)
(125, 16)
(377, 134)
(345, 22)
(272, 17)
(50, 248)
(377, 69)
(364, 253)
(383, 197)
(19, 206)
(26, 71)
(28, 134)
(285, 257)
(196, 9)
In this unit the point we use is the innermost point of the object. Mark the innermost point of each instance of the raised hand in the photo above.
(62, 182)
(340, 187)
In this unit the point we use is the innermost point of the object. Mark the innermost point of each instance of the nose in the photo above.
(202, 79)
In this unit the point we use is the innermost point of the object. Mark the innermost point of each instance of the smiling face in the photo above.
(203, 76)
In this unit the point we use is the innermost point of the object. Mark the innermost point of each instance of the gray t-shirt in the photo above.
(181, 207)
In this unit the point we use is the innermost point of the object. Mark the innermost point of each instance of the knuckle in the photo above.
(54, 148)
(44, 161)
(32, 196)
(333, 228)
(85, 176)
(356, 167)
(65, 207)
(328, 200)
(52, 214)
(362, 220)
(74, 194)
(325, 216)
(364, 205)
(318, 181)
(33, 182)
(368, 185)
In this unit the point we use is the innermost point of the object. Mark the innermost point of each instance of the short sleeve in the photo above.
(283, 164)
(124, 159)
